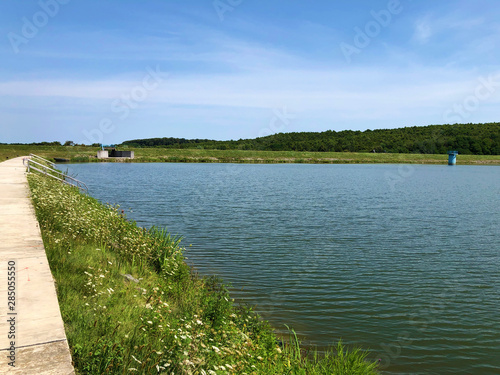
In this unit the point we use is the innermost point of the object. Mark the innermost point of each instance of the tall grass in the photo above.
(130, 303)
(164, 255)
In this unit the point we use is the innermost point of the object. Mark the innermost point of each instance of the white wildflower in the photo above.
(136, 359)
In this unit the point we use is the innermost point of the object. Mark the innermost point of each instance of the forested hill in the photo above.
(478, 139)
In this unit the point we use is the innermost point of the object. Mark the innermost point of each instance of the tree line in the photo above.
(475, 139)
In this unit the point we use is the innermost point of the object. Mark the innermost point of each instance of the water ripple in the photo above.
(409, 271)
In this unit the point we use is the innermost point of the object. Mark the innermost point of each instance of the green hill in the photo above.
(475, 139)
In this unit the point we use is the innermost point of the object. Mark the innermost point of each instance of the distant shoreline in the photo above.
(281, 161)
(80, 154)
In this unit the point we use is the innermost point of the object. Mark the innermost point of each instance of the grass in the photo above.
(80, 154)
(130, 304)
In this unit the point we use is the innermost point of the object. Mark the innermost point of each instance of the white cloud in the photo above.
(223, 85)
(333, 98)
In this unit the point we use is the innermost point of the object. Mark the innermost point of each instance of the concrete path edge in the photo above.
(32, 336)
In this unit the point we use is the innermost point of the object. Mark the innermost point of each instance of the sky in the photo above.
(106, 71)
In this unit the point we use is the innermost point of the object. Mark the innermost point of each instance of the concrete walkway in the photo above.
(40, 341)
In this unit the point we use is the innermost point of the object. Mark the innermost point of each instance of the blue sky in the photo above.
(107, 71)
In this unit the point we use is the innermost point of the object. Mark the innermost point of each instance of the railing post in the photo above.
(44, 169)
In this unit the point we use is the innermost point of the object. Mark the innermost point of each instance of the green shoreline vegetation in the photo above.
(467, 139)
(130, 304)
(477, 144)
(87, 154)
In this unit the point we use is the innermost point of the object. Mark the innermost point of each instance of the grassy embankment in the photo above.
(78, 154)
(162, 318)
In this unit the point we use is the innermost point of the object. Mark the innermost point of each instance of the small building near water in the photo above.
(121, 154)
(111, 152)
(102, 154)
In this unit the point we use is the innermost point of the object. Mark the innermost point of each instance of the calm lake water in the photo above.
(403, 260)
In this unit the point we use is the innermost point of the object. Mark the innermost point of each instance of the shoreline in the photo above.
(321, 161)
(80, 154)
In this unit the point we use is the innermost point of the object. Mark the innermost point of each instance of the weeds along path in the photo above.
(32, 335)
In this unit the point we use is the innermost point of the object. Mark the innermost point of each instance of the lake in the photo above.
(399, 259)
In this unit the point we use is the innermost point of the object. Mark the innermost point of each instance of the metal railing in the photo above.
(43, 160)
(48, 169)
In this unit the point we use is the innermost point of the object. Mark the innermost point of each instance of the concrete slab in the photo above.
(31, 357)
(40, 343)
(12, 206)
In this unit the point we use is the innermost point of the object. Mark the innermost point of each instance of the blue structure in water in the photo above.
(452, 157)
